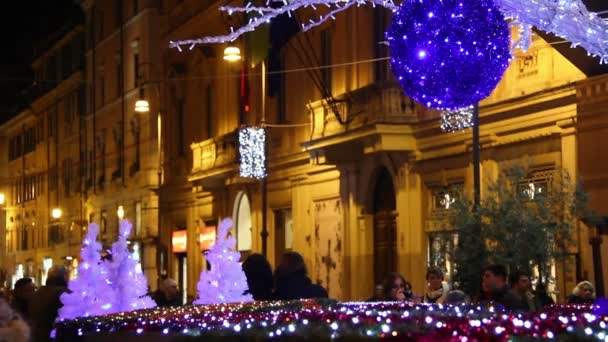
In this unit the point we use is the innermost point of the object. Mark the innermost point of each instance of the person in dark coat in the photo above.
(496, 290)
(583, 293)
(522, 288)
(259, 277)
(45, 303)
(168, 294)
(543, 297)
(292, 281)
(22, 295)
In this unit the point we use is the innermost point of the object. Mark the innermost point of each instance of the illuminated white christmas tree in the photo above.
(90, 294)
(225, 282)
(127, 279)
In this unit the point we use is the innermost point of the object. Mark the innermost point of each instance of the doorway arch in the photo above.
(242, 221)
(385, 226)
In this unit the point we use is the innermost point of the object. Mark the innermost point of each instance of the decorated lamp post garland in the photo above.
(252, 152)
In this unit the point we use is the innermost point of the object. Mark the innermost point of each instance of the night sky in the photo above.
(24, 25)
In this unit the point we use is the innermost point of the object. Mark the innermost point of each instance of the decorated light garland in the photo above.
(449, 54)
(252, 152)
(456, 120)
(328, 319)
(568, 19)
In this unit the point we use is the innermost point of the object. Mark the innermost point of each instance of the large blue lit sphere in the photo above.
(449, 54)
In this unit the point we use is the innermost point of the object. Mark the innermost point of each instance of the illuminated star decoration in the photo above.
(456, 120)
(449, 54)
(252, 152)
(568, 19)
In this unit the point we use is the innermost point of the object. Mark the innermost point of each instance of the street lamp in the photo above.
(233, 54)
(120, 212)
(2, 198)
(56, 213)
(142, 105)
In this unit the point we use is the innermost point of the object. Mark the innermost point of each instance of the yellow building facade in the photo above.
(42, 212)
(81, 148)
(356, 184)
(357, 181)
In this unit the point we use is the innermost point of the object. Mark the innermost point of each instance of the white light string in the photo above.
(568, 19)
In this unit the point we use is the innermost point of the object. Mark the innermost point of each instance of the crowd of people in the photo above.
(32, 312)
(514, 293)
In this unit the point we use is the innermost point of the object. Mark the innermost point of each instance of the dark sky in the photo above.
(25, 24)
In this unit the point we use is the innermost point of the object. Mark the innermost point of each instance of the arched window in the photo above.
(242, 222)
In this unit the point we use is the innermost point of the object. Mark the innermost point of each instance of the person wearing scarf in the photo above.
(436, 289)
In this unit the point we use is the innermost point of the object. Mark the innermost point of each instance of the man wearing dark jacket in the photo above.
(292, 281)
(45, 304)
(496, 290)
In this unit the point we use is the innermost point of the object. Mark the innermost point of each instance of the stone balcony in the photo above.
(214, 159)
(374, 118)
(377, 103)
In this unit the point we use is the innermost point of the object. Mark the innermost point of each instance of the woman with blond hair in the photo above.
(583, 293)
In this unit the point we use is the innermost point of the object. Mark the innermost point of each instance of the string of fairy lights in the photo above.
(326, 319)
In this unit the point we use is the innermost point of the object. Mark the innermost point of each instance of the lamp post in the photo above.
(232, 54)
(143, 106)
(120, 212)
(476, 158)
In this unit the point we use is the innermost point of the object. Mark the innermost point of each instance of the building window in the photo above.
(69, 115)
(103, 224)
(444, 198)
(138, 227)
(209, 98)
(53, 178)
(52, 120)
(119, 81)
(242, 217)
(135, 69)
(67, 176)
(441, 252)
(136, 131)
(102, 88)
(180, 128)
(381, 68)
(100, 34)
(24, 238)
(118, 144)
(536, 185)
(118, 12)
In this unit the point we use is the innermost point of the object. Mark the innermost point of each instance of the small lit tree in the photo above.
(225, 282)
(127, 279)
(90, 294)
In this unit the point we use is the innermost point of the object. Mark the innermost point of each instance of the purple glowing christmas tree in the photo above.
(90, 294)
(226, 281)
(127, 279)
